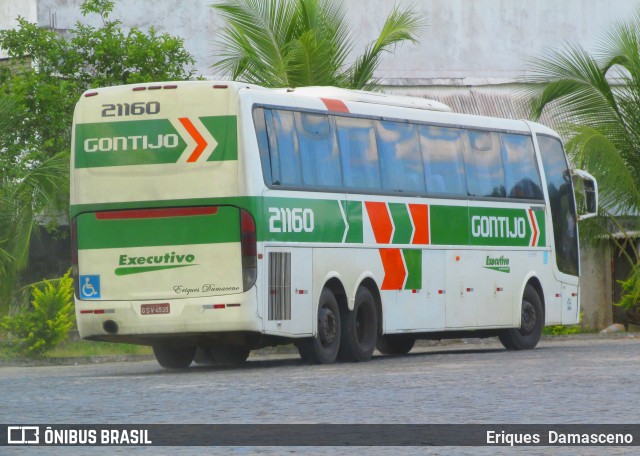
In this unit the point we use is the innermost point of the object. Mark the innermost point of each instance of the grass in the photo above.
(84, 348)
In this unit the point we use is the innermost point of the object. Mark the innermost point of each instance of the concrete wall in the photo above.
(9, 12)
(596, 297)
(468, 42)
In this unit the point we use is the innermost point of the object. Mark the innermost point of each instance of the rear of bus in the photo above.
(164, 243)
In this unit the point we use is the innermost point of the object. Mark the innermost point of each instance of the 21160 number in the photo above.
(287, 220)
(130, 109)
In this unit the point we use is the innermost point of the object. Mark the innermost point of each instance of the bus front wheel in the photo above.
(323, 349)
(528, 334)
(174, 356)
(395, 344)
(359, 328)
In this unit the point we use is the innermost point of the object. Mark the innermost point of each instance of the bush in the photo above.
(40, 327)
(563, 330)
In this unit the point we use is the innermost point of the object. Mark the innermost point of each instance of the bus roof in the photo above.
(358, 96)
(371, 97)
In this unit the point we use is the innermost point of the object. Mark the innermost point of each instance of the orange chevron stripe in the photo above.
(394, 271)
(534, 228)
(335, 105)
(420, 217)
(201, 143)
(380, 221)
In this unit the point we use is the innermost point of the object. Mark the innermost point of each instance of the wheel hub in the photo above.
(528, 318)
(326, 326)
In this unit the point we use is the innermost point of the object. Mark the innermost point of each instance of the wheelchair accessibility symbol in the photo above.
(89, 287)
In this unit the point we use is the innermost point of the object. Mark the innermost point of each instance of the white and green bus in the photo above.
(210, 219)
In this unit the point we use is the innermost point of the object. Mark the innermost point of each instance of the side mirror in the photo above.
(586, 189)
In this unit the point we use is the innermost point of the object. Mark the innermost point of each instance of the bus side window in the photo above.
(318, 151)
(263, 143)
(283, 145)
(483, 163)
(520, 169)
(359, 154)
(442, 155)
(400, 159)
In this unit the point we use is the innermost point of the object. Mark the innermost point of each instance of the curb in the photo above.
(73, 361)
(286, 350)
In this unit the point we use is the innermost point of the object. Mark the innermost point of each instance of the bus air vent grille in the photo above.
(279, 286)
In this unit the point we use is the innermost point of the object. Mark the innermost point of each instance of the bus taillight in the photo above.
(248, 248)
(74, 256)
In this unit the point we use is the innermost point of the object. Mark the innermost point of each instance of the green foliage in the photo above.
(563, 330)
(295, 43)
(43, 188)
(53, 71)
(631, 290)
(39, 328)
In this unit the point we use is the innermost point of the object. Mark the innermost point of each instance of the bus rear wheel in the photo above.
(395, 344)
(174, 356)
(323, 349)
(359, 328)
(528, 334)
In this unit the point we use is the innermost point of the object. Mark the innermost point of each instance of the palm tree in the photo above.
(295, 43)
(40, 188)
(595, 102)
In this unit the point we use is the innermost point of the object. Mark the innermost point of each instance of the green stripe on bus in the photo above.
(449, 225)
(224, 226)
(323, 220)
(224, 130)
(540, 218)
(302, 220)
(500, 227)
(354, 216)
(413, 261)
(401, 222)
(137, 142)
(148, 142)
(140, 269)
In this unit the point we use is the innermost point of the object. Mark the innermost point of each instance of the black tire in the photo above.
(231, 355)
(359, 328)
(395, 344)
(323, 349)
(174, 356)
(528, 334)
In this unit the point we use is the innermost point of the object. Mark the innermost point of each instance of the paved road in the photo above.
(562, 381)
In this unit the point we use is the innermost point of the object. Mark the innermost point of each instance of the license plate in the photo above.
(155, 309)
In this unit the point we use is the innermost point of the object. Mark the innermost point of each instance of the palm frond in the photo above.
(618, 188)
(293, 43)
(44, 189)
(401, 25)
(256, 29)
(573, 79)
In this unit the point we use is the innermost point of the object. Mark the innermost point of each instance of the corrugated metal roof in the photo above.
(495, 101)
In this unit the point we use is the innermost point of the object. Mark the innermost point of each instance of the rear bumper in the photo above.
(218, 314)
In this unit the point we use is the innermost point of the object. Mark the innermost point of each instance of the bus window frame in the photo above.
(366, 192)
